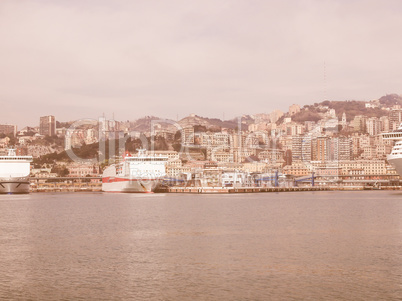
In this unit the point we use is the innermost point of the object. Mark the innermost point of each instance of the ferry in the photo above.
(14, 173)
(395, 158)
(140, 173)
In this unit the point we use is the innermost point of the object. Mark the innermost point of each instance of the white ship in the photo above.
(14, 173)
(395, 158)
(140, 173)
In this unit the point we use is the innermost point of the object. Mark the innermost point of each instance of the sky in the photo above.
(80, 59)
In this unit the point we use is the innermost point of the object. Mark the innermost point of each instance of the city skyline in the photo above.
(78, 60)
(200, 150)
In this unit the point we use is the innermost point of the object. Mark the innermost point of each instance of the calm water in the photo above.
(287, 246)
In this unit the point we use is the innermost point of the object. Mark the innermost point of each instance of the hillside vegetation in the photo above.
(391, 99)
(352, 108)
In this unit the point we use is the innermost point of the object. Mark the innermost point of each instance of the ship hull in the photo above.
(14, 185)
(127, 185)
(396, 163)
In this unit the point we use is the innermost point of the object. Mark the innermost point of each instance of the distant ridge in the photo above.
(351, 108)
(313, 112)
(391, 99)
(213, 123)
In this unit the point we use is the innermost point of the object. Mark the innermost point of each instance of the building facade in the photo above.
(47, 125)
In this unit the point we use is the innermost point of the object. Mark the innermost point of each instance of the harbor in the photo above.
(211, 190)
(163, 172)
(84, 184)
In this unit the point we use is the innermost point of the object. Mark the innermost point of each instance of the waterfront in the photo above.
(297, 245)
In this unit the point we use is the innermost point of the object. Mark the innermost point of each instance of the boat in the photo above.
(395, 158)
(14, 173)
(140, 173)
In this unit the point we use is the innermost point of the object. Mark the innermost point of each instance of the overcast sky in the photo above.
(79, 59)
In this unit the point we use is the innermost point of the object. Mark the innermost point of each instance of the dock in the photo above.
(222, 190)
(94, 185)
(67, 187)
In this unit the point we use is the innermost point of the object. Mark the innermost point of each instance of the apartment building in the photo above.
(47, 125)
(8, 129)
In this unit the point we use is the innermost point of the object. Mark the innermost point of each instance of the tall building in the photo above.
(297, 148)
(294, 129)
(355, 145)
(345, 149)
(187, 135)
(373, 126)
(359, 123)
(306, 149)
(47, 126)
(384, 120)
(67, 139)
(395, 119)
(341, 149)
(8, 129)
(301, 149)
(321, 149)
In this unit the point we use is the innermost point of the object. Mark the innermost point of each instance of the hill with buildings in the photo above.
(302, 140)
(213, 124)
(144, 124)
(351, 108)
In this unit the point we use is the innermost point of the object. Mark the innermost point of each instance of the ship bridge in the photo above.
(396, 135)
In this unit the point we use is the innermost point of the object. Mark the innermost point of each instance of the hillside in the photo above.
(91, 151)
(391, 99)
(146, 123)
(214, 123)
(352, 108)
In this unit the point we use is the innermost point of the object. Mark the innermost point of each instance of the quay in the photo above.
(219, 190)
(97, 187)
(85, 184)
(66, 184)
(67, 187)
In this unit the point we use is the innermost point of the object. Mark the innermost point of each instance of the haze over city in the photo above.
(79, 59)
(200, 150)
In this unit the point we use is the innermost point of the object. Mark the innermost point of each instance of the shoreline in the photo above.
(225, 190)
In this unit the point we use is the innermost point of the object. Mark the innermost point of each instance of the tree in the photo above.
(61, 171)
(177, 136)
(200, 128)
(86, 180)
(177, 147)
